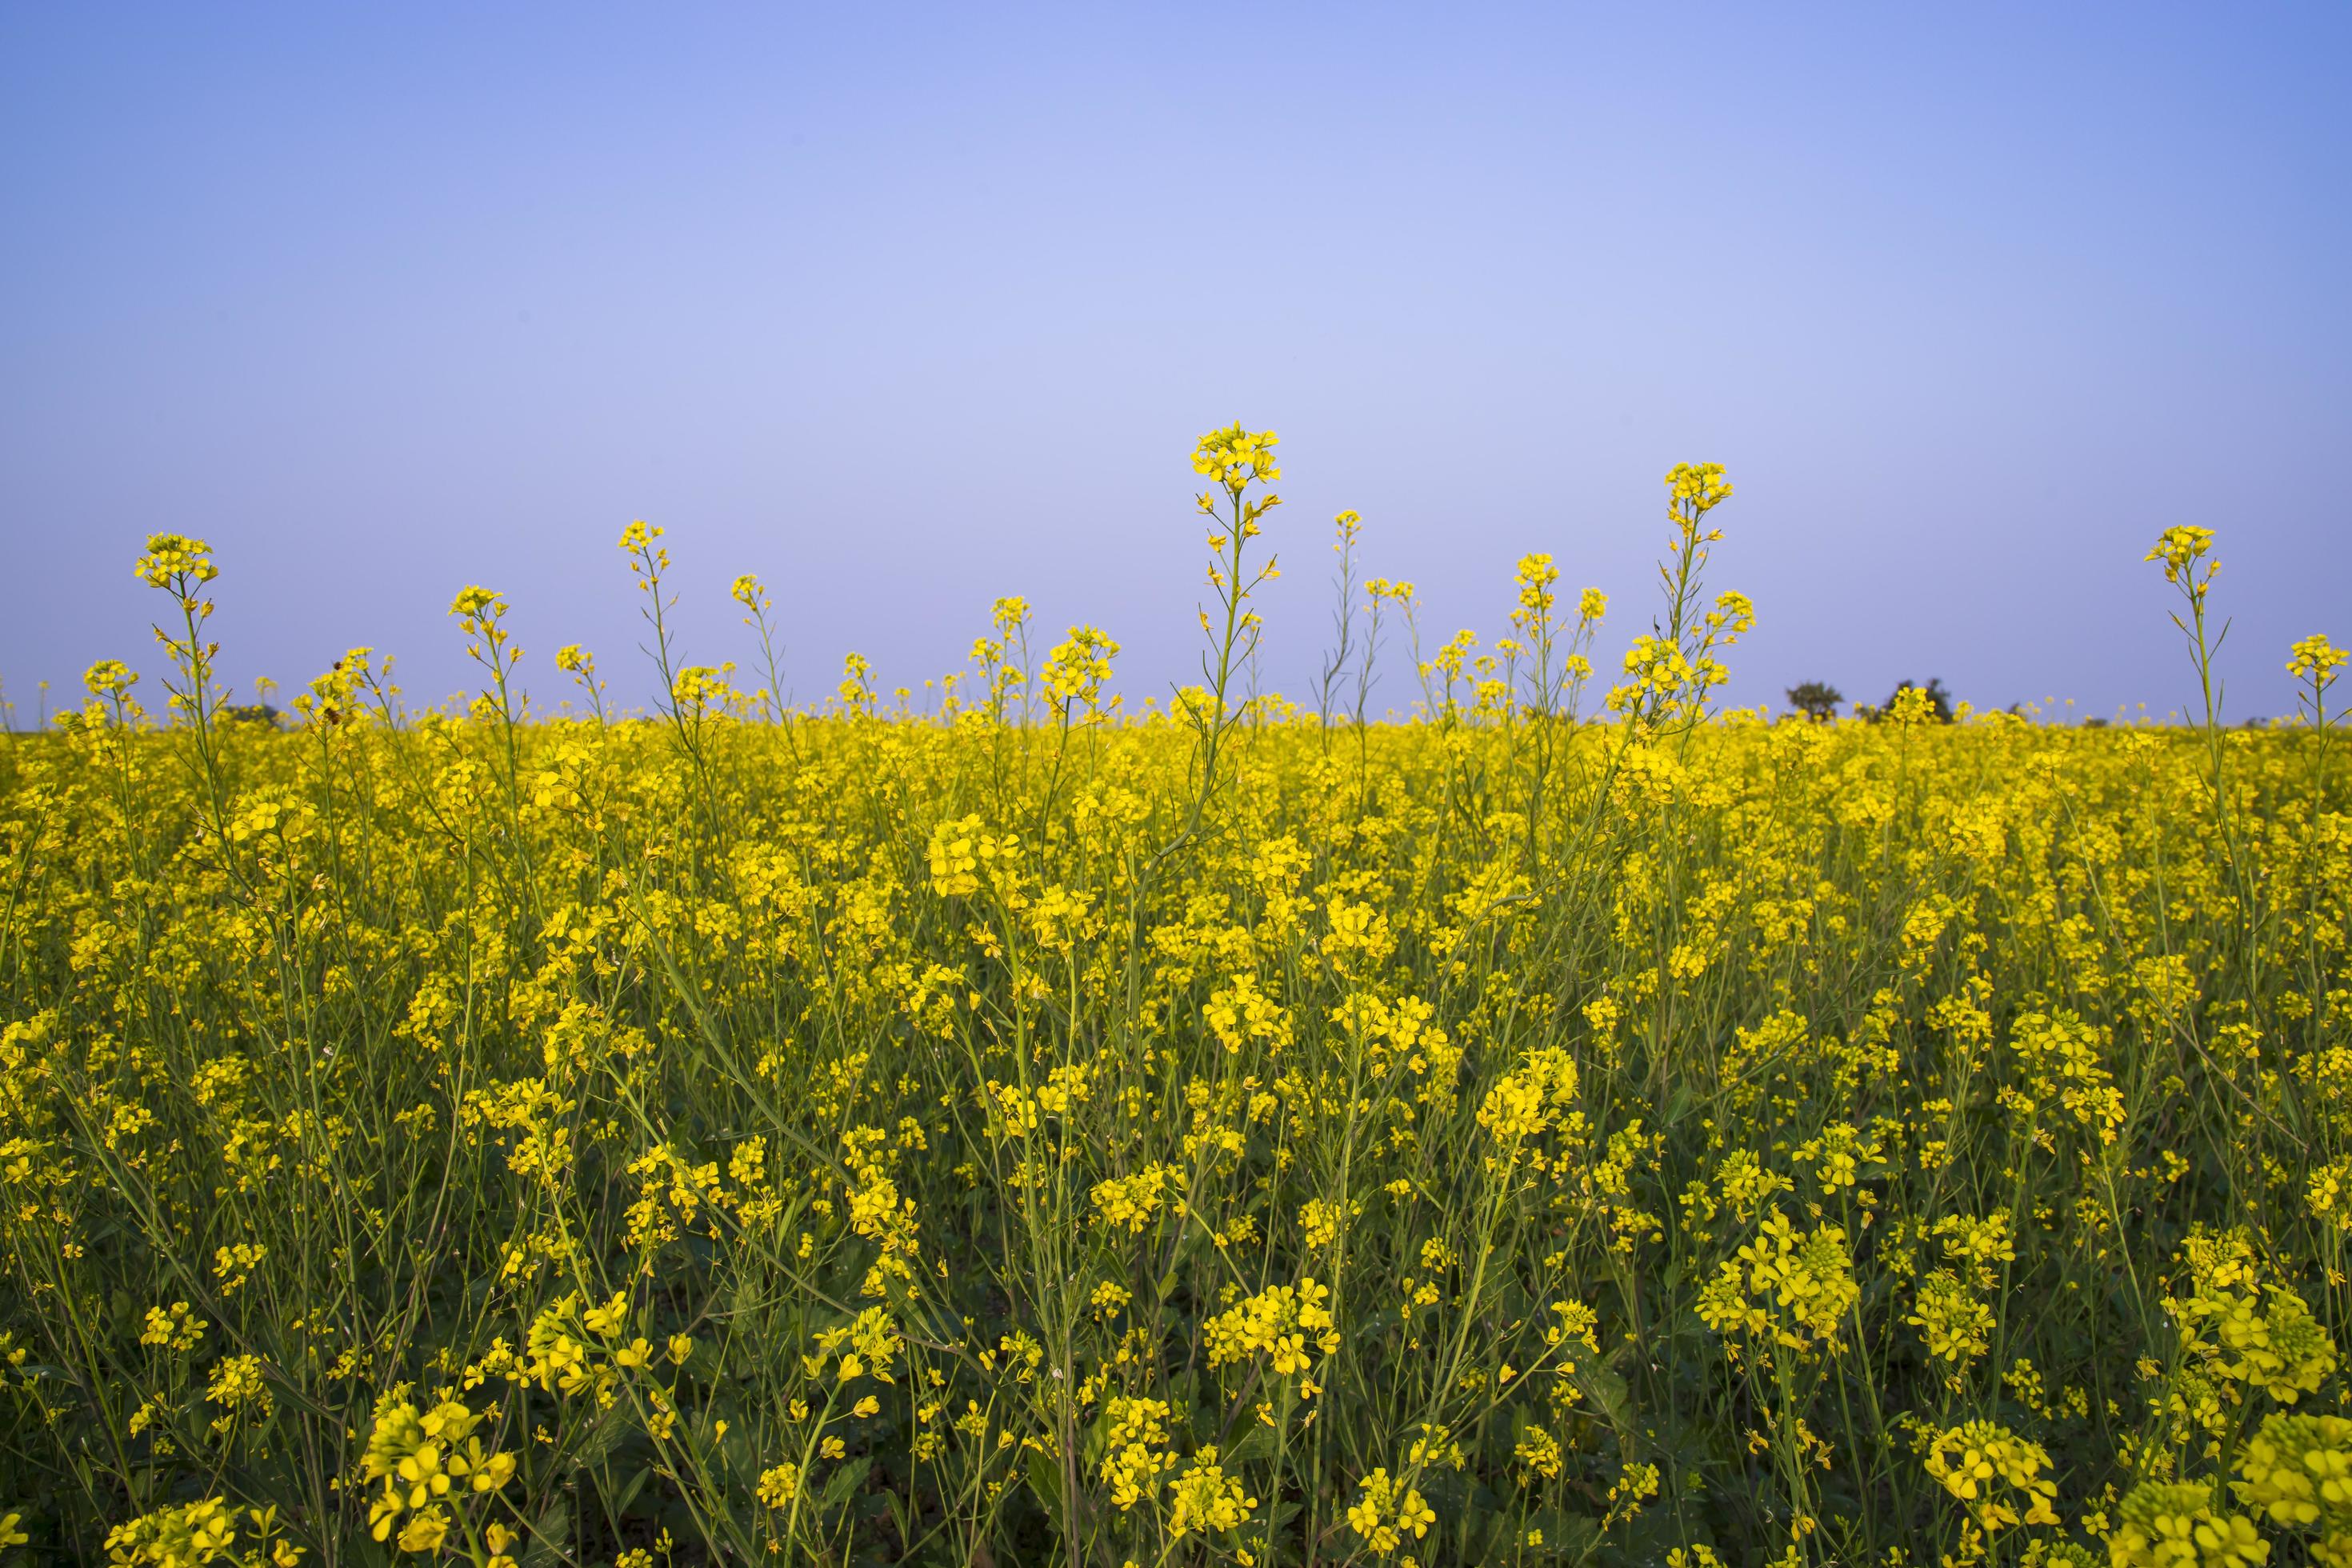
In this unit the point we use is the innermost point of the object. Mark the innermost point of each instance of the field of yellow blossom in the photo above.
(1563, 1126)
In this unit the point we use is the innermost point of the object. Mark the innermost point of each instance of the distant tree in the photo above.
(1816, 700)
(260, 713)
(1939, 701)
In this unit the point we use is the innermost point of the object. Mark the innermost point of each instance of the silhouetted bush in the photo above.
(1816, 700)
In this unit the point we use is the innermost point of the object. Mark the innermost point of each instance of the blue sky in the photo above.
(905, 309)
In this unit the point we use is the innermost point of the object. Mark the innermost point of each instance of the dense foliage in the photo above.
(1024, 1133)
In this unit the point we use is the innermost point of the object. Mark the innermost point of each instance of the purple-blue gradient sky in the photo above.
(907, 309)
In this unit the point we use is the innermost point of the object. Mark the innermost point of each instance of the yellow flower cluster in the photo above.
(1206, 1499)
(1288, 1324)
(206, 1533)
(2245, 1331)
(1787, 1288)
(2180, 1525)
(1999, 1476)
(2295, 1472)
(428, 1464)
(1385, 1512)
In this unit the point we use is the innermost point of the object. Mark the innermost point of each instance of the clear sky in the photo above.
(908, 308)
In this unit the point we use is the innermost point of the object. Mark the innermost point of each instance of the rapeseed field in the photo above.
(1574, 1124)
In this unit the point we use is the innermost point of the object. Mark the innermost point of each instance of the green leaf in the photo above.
(602, 1438)
(1255, 1444)
(1046, 1480)
(843, 1481)
(551, 1536)
(1609, 1394)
